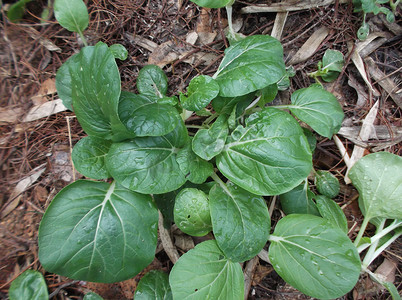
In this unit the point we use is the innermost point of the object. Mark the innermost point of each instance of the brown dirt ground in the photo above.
(28, 64)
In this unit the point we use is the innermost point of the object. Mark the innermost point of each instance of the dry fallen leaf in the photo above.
(44, 110)
(48, 87)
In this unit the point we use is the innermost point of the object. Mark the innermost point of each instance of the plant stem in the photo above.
(210, 119)
(230, 22)
(219, 181)
(373, 245)
(361, 231)
(84, 40)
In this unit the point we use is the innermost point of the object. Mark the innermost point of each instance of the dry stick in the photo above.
(71, 144)
(167, 241)
(248, 275)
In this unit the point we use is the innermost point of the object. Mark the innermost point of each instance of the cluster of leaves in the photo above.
(330, 67)
(375, 7)
(107, 232)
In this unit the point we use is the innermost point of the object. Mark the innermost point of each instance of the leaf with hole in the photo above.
(313, 256)
(319, 109)
(378, 178)
(205, 273)
(249, 65)
(100, 232)
(240, 221)
(269, 156)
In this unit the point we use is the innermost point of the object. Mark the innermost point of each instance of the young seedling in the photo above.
(330, 66)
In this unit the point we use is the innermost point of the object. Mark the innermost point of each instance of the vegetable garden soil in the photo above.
(185, 40)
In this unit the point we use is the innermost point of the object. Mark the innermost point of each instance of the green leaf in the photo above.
(208, 143)
(95, 82)
(144, 116)
(333, 60)
(153, 286)
(200, 92)
(249, 65)
(331, 211)
(267, 94)
(119, 51)
(270, 156)
(63, 80)
(212, 3)
(392, 290)
(311, 139)
(363, 31)
(152, 82)
(327, 184)
(193, 167)
(92, 296)
(99, 232)
(313, 256)
(29, 285)
(319, 109)
(240, 221)
(299, 201)
(378, 178)
(223, 105)
(71, 14)
(148, 164)
(89, 157)
(191, 212)
(204, 273)
(17, 10)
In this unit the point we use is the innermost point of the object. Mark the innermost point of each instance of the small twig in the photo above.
(62, 287)
(71, 144)
(248, 275)
(167, 243)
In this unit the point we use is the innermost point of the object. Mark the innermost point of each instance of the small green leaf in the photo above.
(119, 51)
(208, 143)
(299, 201)
(154, 286)
(240, 221)
(311, 139)
(89, 157)
(332, 63)
(148, 164)
(363, 31)
(63, 80)
(204, 273)
(378, 178)
(331, 211)
(152, 82)
(193, 167)
(212, 3)
(327, 184)
(313, 256)
(191, 212)
(143, 116)
(92, 296)
(17, 10)
(249, 65)
(392, 290)
(100, 232)
(269, 156)
(200, 92)
(223, 105)
(29, 285)
(319, 109)
(71, 14)
(267, 94)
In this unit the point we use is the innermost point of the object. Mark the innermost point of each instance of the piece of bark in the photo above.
(288, 6)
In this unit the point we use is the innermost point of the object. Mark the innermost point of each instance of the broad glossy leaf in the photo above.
(92, 296)
(95, 82)
(154, 286)
(204, 273)
(327, 184)
(200, 92)
(71, 14)
(29, 285)
(193, 167)
(119, 51)
(152, 82)
(378, 178)
(63, 80)
(145, 116)
(208, 143)
(212, 3)
(314, 257)
(148, 164)
(270, 156)
(191, 212)
(240, 221)
(299, 201)
(89, 157)
(100, 232)
(319, 109)
(223, 105)
(331, 211)
(249, 65)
